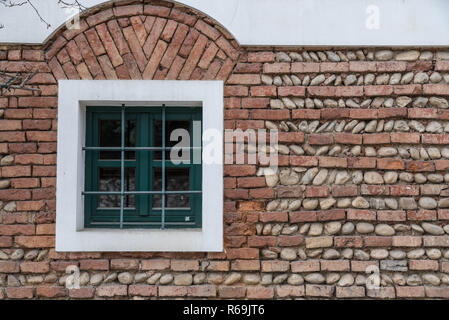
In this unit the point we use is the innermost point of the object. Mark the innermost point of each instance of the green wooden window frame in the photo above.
(137, 207)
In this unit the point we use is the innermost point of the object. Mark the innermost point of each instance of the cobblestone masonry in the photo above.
(362, 177)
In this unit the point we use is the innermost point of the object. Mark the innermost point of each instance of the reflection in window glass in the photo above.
(109, 180)
(175, 180)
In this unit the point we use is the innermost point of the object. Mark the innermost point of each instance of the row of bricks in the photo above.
(283, 137)
(335, 162)
(336, 67)
(335, 191)
(28, 147)
(235, 265)
(337, 113)
(328, 91)
(227, 292)
(258, 183)
(327, 113)
(342, 214)
(352, 66)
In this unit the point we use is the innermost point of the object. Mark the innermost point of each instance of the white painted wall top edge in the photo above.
(278, 22)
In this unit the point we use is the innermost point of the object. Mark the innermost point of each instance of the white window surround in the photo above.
(74, 96)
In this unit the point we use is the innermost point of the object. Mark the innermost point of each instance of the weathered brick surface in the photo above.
(361, 183)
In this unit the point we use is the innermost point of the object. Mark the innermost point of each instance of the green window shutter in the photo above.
(143, 166)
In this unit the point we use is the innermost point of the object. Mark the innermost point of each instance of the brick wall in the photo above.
(362, 177)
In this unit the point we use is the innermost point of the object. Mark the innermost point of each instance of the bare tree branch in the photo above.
(16, 81)
(63, 4)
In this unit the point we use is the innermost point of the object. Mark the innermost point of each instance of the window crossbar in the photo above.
(118, 193)
(139, 148)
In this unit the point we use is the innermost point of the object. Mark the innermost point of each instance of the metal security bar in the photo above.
(122, 167)
(122, 193)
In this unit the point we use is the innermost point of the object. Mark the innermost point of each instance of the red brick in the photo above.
(363, 114)
(423, 113)
(172, 291)
(94, 264)
(263, 91)
(155, 264)
(391, 215)
(284, 291)
(290, 241)
(375, 241)
(391, 66)
(390, 164)
(303, 216)
(291, 91)
(361, 266)
(142, 290)
(313, 290)
(242, 253)
(348, 242)
(344, 191)
(331, 215)
(9, 267)
(384, 90)
(17, 229)
(362, 163)
(410, 292)
(19, 292)
(184, 265)
(436, 292)
(261, 241)
(334, 113)
(350, 292)
(355, 214)
(271, 114)
(387, 113)
(305, 266)
(260, 293)
(334, 265)
(248, 79)
(304, 161)
(334, 67)
(348, 138)
(321, 139)
(308, 114)
(305, 67)
(436, 89)
(262, 56)
(50, 291)
(34, 267)
(420, 166)
(376, 138)
(275, 266)
(362, 66)
(239, 170)
(112, 290)
(124, 264)
(317, 192)
(245, 265)
(407, 241)
(232, 91)
(14, 194)
(333, 162)
(278, 67)
(273, 217)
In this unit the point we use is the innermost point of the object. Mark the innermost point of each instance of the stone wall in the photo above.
(362, 178)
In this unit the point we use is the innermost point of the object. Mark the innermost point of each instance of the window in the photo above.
(89, 179)
(160, 189)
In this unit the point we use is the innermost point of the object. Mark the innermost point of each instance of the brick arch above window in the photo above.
(143, 41)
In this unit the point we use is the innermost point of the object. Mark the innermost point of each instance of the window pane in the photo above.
(170, 127)
(175, 180)
(110, 136)
(109, 180)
